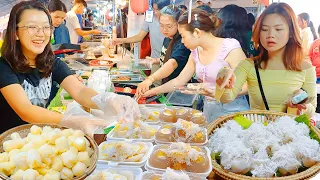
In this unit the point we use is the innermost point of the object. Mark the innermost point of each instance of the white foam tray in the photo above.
(192, 144)
(147, 174)
(148, 167)
(136, 171)
(136, 164)
(110, 136)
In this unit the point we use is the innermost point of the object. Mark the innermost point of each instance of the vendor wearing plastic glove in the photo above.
(28, 68)
(282, 68)
(174, 55)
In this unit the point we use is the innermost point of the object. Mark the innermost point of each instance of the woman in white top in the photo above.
(308, 33)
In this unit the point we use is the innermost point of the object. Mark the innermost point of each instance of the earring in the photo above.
(17, 38)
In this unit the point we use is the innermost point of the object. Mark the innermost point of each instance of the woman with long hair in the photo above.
(28, 68)
(308, 33)
(282, 69)
(209, 54)
(174, 55)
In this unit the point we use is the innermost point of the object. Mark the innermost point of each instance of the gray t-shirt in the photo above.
(156, 37)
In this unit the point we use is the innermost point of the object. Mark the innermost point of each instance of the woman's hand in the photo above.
(143, 87)
(202, 91)
(297, 108)
(226, 78)
(149, 93)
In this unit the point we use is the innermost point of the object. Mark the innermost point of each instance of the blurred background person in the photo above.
(308, 33)
(183, 8)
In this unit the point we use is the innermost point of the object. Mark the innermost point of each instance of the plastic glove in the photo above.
(143, 87)
(76, 118)
(226, 78)
(125, 107)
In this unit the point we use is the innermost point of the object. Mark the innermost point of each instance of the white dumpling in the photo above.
(67, 132)
(15, 136)
(4, 157)
(78, 133)
(47, 129)
(35, 130)
(17, 175)
(66, 173)
(84, 158)
(52, 175)
(20, 160)
(7, 168)
(69, 158)
(80, 143)
(40, 177)
(43, 171)
(62, 144)
(52, 136)
(12, 153)
(30, 174)
(46, 151)
(37, 142)
(71, 139)
(34, 158)
(30, 137)
(13, 144)
(57, 163)
(79, 168)
(27, 147)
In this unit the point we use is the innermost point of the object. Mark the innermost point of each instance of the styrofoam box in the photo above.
(148, 167)
(110, 136)
(147, 174)
(192, 144)
(136, 171)
(136, 164)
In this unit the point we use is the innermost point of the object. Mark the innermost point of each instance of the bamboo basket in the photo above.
(23, 131)
(262, 116)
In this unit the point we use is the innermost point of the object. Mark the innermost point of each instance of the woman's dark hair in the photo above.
(57, 5)
(206, 8)
(11, 49)
(251, 20)
(293, 54)
(175, 13)
(90, 14)
(318, 29)
(161, 3)
(183, 7)
(234, 20)
(200, 19)
(306, 17)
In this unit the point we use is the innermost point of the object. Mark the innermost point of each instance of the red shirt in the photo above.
(314, 54)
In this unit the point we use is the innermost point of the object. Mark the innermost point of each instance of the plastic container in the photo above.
(137, 172)
(148, 167)
(110, 136)
(135, 164)
(178, 98)
(147, 174)
(142, 64)
(65, 97)
(192, 144)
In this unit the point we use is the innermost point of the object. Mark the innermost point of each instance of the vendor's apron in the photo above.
(212, 109)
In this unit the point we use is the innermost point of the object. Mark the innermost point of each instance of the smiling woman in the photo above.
(28, 69)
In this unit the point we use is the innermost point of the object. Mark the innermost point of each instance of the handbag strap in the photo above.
(260, 86)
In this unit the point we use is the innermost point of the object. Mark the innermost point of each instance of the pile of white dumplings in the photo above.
(46, 153)
(282, 146)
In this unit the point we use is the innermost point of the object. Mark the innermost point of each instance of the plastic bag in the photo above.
(124, 107)
(77, 118)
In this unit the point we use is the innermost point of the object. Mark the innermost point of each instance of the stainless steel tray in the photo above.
(135, 78)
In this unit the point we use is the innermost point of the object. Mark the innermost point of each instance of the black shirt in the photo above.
(179, 52)
(37, 89)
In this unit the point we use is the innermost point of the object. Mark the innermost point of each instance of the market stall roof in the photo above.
(6, 6)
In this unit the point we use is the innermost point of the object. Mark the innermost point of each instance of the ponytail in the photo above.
(175, 38)
(313, 30)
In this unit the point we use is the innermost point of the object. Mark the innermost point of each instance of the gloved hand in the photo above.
(76, 118)
(125, 107)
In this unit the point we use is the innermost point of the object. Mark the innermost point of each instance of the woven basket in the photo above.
(262, 116)
(24, 130)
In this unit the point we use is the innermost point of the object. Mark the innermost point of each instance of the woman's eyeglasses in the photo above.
(34, 30)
